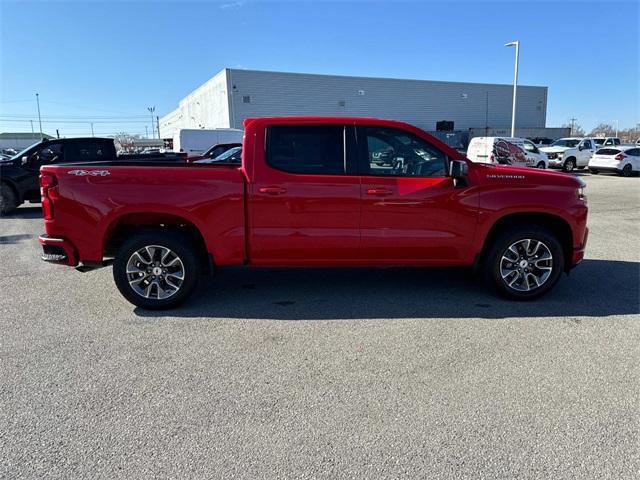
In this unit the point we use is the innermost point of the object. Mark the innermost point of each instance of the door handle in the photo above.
(273, 190)
(380, 192)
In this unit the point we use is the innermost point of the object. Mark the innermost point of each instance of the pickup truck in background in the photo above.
(571, 153)
(19, 174)
(309, 192)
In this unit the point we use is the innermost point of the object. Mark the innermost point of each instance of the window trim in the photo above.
(363, 154)
(348, 149)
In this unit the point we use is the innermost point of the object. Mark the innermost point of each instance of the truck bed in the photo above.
(96, 199)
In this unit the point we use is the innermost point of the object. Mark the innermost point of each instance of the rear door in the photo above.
(411, 211)
(305, 195)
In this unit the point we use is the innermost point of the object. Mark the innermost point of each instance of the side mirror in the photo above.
(458, 169)
(24, 160)
(581, 147)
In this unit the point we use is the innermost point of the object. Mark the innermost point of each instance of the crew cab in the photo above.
(19, 174)
(309, 192)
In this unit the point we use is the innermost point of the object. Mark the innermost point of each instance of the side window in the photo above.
(51, 154)
(530, 147)
(398, 153)
(616, 141)
(85, 152)
(586, 144)
(634, 152)
(310, 149)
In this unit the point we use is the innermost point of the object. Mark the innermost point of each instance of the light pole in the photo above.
(39, 118)
(151, 110)
(515, 85)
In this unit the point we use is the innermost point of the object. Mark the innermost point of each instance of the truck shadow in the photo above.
(595, 288)
(24, 212)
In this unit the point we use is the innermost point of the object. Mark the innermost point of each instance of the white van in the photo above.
(518, 152)
(197, 141)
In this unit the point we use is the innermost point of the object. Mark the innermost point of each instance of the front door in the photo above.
(411, 210)
(305, 196)
(586, 149)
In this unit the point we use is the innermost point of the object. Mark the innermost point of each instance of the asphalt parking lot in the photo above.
(374, 373)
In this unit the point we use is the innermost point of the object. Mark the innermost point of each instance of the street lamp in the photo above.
(151, 110)
(515, 85)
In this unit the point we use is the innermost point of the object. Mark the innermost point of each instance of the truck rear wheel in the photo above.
(156, 270)
(524, 262)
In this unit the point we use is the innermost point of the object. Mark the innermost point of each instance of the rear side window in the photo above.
(616, 141)
(85, 152)
(307, 149)
(634, 152)
(608, 151)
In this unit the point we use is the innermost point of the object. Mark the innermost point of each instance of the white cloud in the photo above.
(231, 5)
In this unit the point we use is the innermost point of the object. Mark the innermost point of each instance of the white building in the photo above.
(233, 95)
(20, 140)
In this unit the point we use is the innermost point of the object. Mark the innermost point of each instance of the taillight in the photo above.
(48, 193)
(620, 156)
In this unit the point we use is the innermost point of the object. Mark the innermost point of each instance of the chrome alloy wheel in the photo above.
(526, 265)
(155, 272)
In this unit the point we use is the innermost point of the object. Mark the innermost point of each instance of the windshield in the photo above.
(228, 154)
(20, 154)
(566, 142)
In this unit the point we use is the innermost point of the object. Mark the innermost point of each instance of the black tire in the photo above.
(494, 261)
(8, 199)
(180, 246)
(569, 164)
(541, 165)
(627, 171)
(594, 171)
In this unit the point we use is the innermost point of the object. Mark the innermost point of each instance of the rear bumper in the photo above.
(58, 250)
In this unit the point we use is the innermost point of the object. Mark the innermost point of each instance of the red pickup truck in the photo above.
(313, 191)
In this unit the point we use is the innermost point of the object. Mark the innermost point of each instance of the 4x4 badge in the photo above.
(95, 173)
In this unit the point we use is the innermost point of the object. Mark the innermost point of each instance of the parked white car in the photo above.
(518, 152)
(623, 160)
(570, 153)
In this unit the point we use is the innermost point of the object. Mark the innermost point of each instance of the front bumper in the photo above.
(578, 253)
(58, 250)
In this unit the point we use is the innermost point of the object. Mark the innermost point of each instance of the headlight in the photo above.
(580, 193)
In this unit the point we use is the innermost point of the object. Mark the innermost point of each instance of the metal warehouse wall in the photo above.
(419, 102)
(206, 107)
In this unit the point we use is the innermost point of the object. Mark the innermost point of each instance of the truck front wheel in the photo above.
(156, 270)
(524, 262)
(569, 164)
(8, 199)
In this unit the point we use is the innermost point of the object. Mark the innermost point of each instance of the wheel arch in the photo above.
(122, 227)
(553, 223)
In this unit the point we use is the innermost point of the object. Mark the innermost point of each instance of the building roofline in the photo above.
(354, 77)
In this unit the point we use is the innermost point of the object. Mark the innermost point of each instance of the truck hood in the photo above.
(554, 149)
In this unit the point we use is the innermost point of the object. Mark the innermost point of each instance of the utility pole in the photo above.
(486, 116)
(573, 123)
(32, 132)
(158, 124)
(92, 130)
(39, 117)
(515, 85)
(146, 131)
(151, 110)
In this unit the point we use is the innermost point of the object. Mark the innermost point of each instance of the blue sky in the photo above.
(107, 62)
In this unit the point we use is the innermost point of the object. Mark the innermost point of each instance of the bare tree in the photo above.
(603, 130)
(576, 130)
(125, 140)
